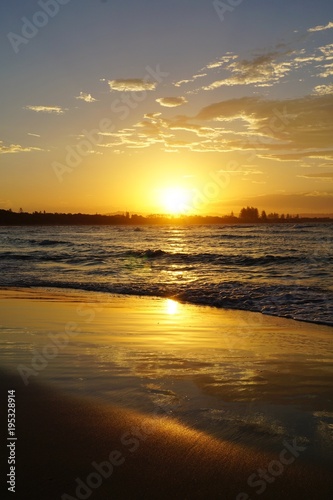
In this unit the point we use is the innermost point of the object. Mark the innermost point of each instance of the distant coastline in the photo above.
(10, 218)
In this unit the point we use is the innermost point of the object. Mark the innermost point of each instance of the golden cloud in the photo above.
(324, 89)
(263, 70)
(132, 85)
(46, 109)
(16, 148)
(322, 28)
(284, 130)
(86, 97)
(171, 102)
(323, 176)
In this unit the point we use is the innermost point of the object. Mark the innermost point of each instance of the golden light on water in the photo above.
(171, 306)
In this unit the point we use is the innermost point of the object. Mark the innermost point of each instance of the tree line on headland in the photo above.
(247, 215)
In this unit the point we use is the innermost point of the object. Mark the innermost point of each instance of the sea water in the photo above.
(284, 270)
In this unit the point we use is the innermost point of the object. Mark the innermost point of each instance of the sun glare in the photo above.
(171, 306)
(175, 200)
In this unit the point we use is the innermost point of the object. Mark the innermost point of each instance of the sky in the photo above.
(150, 106)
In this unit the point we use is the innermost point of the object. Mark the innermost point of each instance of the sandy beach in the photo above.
(127, 397)
(166, 250)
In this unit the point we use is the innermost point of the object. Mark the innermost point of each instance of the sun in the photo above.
(175, 200)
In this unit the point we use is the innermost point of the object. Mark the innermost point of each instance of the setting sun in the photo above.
(175, 200)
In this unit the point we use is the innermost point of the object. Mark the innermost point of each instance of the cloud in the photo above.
(300, 155)
(181, 82)
(16, 148)
(321, 194)
(194, 77)
(33, 135)
(327, 50)
(229, 56)
(322, 176)
(86, 97)
(132, 85)
(328, 71)
(263, 71)
(170, 134)
(285, 129)
(46, 109)
(324, 89)
(276, 130)
(144, 134)
(228, 110)
(322, 28)
(215, 64)
(325, 55)
(171, 102)
(182, 124)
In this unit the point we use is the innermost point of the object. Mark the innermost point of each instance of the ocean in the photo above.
(283, 270)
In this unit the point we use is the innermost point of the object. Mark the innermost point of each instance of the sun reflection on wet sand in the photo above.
(214, 369)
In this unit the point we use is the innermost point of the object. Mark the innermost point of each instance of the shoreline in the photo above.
(62, 293)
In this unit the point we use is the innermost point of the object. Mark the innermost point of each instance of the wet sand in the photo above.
(61, 438)
(135, 385)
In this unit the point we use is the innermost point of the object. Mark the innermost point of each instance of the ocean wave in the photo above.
(15, 256)
(49, 243)
(149, 254)
(35, 257)
(215, 258)
(23, 242)
(309, 304)
(234, 236)
(65, 258)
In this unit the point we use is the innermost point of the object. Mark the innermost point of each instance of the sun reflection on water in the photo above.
(171, 306)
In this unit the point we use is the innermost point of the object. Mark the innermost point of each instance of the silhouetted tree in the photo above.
(249, 214)
(273, 215)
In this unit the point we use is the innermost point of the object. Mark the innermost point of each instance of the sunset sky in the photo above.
(124, 105)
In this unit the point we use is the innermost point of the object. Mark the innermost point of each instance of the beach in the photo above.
(176, 400)
(166, 250)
